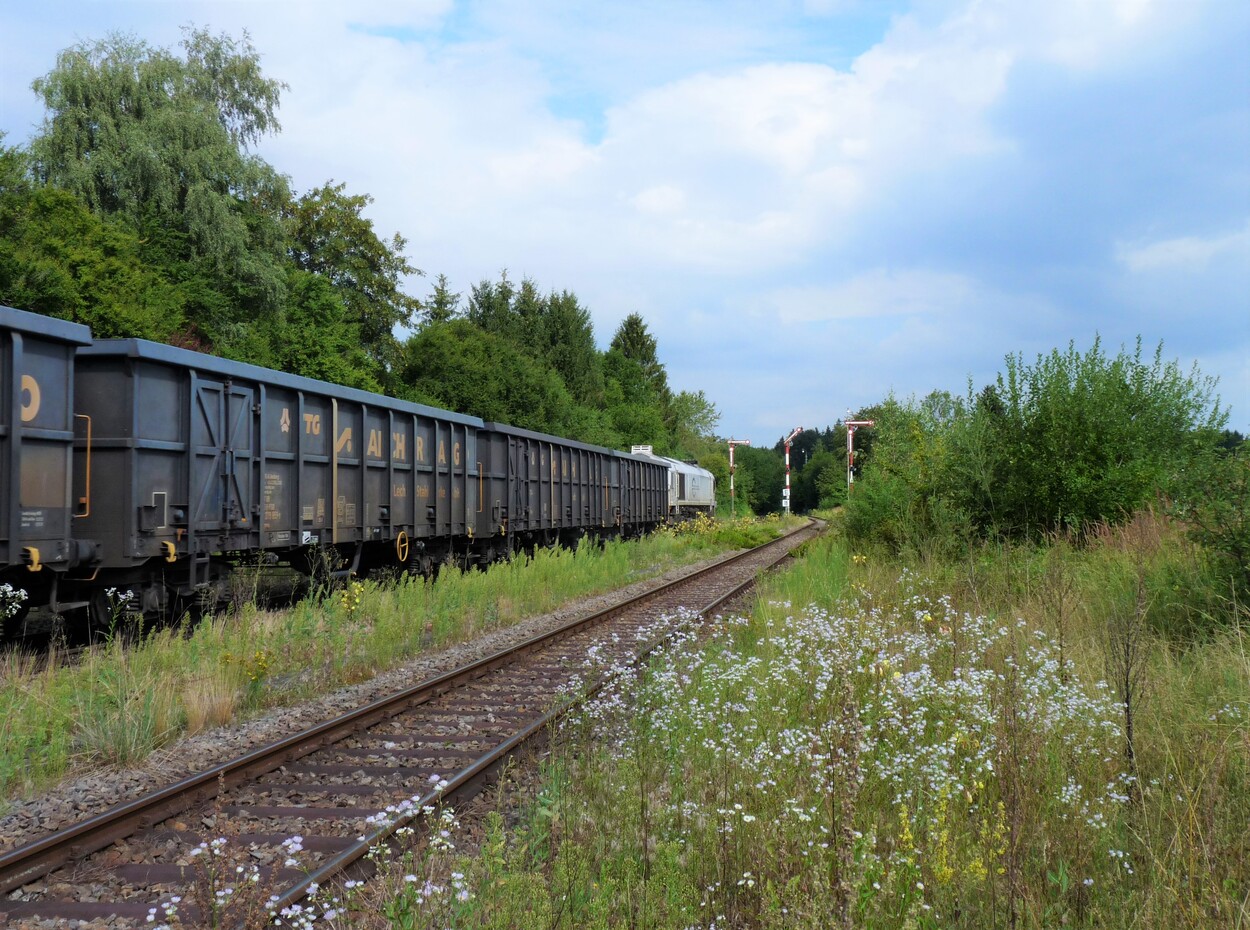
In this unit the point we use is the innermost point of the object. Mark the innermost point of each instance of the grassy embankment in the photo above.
(121, 702)
(1019, 739)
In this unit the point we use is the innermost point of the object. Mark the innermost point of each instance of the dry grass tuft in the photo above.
(210, 700)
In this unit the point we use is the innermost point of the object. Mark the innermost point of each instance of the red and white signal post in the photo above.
(851, 427)
(785, 495)
(733, 508)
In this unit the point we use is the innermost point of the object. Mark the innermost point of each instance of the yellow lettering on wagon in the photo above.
(420, 449)
(442, 452)
(375, 443)
(312, 424)
(399, 446)
(344, 442)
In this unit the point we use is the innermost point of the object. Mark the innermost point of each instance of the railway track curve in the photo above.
(439, 741)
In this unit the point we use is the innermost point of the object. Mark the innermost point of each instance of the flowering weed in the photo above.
(852, 764)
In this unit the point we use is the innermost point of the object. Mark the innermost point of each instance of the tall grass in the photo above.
(119, 704)
(885, 745)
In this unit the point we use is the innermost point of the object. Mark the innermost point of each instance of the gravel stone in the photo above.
(85, 795)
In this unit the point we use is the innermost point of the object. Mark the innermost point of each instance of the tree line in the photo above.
(141, 208)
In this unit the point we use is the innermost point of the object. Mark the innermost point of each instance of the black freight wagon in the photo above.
(556, 490)
(131, 464)
(37, 425)
(195, 458)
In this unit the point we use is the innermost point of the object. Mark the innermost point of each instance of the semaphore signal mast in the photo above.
(851, 427)
(785, 494)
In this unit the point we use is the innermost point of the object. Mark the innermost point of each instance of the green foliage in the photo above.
(458, 366)
(284, 340)
(331, 238)
(821, 482)
(530, 360)
(126, 715)
(693, 417)
(745, 532)
(635, 342)
(900, 498)
(715, 459)
(760, 478)
(137, 132)
(1217, 510)
(442, 305)
(1077, 438)
(555, 331)
(566, 341)
(1067, 442)
(632, 405)
(491, 308)
(818, 465)
(59, 259)
(875, 513)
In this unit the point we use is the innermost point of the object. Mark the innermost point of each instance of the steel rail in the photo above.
(36, 859)
(464, 780)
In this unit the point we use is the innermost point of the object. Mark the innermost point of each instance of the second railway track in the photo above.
(439, 739)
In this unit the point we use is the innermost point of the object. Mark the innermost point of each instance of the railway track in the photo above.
(439, 741)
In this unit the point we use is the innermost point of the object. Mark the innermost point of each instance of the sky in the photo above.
(812, 203)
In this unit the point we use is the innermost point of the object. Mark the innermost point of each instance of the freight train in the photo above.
(135, 466)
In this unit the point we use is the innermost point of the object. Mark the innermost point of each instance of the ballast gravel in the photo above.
(81, 797)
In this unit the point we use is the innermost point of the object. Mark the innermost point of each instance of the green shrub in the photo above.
(1217, 509)
(1081, 438)
(1069, 441)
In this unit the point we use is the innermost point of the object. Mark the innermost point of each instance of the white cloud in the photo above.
(1184, 253)
(663, 198)
(899, 302)
(874, 294)
(1091, 36)
(726, 171)
(548, 161)
(737, 171)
